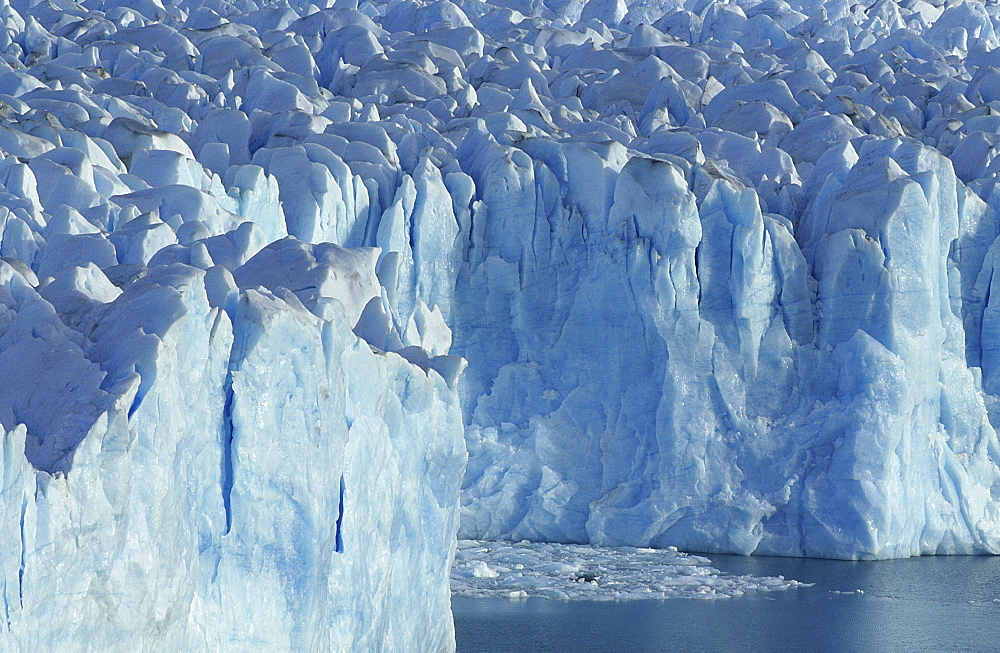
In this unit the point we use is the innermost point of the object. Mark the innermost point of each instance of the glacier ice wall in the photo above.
(753, 314)
(740, 392)
(722, 273)
(240, 475)
(215, 436)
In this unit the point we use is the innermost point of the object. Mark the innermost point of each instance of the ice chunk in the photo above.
(64, 251)
(315, 272)
(179, 204)
(130, 136)
(139, 239)
(588, 573)
(427, 329)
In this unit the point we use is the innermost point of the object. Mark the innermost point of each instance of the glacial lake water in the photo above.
(919, 604)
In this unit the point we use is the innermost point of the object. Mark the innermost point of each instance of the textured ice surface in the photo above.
(723, 274)
(580, 572)
(236, 477)
(752, 311)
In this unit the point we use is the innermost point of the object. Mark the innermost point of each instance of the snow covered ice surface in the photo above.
(730, 281)
(583, 572)
(723, 275)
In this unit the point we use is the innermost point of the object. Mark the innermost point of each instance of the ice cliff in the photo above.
(750, 310)
(214, 436)
(722, 273)
(202, 476)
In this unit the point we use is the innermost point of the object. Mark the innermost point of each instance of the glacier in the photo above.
(294, 292)
(217, 475)
(751, 311)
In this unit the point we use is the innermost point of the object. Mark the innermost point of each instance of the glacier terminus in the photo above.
(293, 293)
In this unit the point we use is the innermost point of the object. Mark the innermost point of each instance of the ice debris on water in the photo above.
(575, 572)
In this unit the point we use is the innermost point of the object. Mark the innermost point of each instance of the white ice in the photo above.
(580, 572)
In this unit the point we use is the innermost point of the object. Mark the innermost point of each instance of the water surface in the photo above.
(919, 604)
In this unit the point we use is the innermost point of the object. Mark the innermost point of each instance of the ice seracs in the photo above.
(296, 453)
(775, 365)
(722, 274)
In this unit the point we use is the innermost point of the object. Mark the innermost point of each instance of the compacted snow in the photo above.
(722, 274)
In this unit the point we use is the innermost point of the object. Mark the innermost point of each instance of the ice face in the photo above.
(215, 435)
(298, 456)
(722, 273)
(751, 315)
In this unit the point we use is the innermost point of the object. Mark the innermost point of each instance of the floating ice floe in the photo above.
(580, 572)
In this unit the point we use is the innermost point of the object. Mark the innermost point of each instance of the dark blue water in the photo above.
(920, 604)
